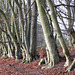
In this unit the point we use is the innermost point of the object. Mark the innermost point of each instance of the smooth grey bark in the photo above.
(29, 14)
(12, 27)
(25, 44)
(17, 36)
(10, 33)
(4, 47)
(52, 31)
(53, 57)
(9, 53)
(59, 34)
(33, 34)
(70, 41)
(15, 26)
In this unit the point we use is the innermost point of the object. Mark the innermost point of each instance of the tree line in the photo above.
(18, 29)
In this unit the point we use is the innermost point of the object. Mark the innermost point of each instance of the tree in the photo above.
(18, 26)
(52, 54)
(58, 31)
(33, 36)
(18, 31)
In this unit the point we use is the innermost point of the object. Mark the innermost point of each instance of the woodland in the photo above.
(19, 52)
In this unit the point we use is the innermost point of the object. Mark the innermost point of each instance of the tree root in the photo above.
(50, 65)
(68, 62)
(71, 67)
(43, 61)
(46, 67)
(16, 59)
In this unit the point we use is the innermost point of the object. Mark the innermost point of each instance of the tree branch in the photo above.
(64, 5)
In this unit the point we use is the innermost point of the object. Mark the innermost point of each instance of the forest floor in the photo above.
(10, 67)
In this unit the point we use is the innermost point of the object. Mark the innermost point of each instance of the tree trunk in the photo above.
(17, 36)
(70, 21)
(70, 41)
(24, 36)
(53, 57)
(10, 34)
(72, 33)
(29, 14)
(58, 31)
(33, 37)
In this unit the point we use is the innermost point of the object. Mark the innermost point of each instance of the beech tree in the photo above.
(20, 31)
(58, 31)
(52, 54)
(69, 15)
(33, 34)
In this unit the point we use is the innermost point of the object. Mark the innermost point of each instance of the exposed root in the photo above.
(5, 57)
(46, 67)
(23, 61)
(70, 69)
(43, 61)
(67, 63)
(50, 65)
(72, 66)
(28, 59)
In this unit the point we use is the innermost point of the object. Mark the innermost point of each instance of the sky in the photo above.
(64, 10)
